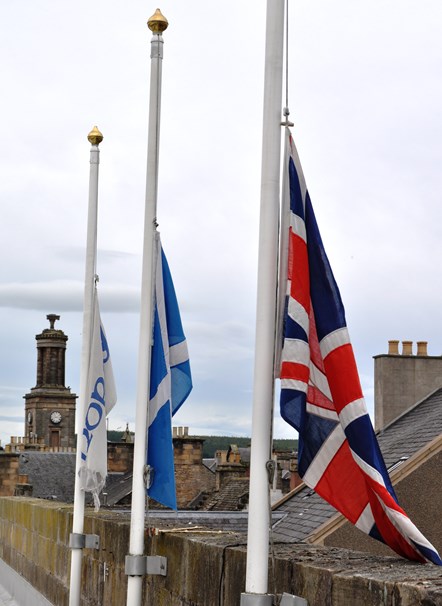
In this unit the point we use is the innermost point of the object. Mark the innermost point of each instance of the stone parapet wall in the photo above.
(204, 569)
(33, 541)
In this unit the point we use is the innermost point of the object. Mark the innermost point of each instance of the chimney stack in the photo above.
(402, 380)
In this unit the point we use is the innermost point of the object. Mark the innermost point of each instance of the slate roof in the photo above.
(210, 464)
(51, 474)
(245, 454)
(305, 511)
(233, 496)
(118, 487)
(413, 430)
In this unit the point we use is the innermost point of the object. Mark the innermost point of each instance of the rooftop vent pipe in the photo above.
(407, 348)
(393, 348)
(422, 348)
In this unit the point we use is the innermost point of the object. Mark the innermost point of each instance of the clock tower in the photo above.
(50, 405)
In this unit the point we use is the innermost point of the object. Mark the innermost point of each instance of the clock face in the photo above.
(55, 417)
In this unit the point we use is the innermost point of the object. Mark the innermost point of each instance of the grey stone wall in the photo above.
(204, 569)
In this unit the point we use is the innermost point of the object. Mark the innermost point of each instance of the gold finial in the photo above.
(95, 137)
(157, 23)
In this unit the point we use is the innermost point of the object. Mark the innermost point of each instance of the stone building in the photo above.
(50, 405)
(50, 430)
(194, 480)
(42, 462)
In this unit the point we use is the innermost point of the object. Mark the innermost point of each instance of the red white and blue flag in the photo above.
(321, 395)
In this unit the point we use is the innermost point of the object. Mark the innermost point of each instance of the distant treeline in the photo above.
(214, 443)
(114, 436)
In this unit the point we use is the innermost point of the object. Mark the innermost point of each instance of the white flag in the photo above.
(102, 397)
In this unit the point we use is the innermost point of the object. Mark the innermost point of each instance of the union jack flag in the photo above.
(321, 395)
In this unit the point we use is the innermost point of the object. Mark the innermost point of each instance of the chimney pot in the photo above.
(407, 348)
(422, 348)
(393, 348)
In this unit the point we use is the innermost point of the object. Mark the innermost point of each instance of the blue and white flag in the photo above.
(170, 383)
(102, 397)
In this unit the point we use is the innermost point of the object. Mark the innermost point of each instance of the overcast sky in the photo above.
(365, 95)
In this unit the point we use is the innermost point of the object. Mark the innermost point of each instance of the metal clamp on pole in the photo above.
(81, 541)
(271, 469)
(138, 566)
(256, 599)
(292, 600)
(148, 476)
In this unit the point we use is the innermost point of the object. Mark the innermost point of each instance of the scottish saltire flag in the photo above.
(170, 382)
(102, 397)
(321, 395)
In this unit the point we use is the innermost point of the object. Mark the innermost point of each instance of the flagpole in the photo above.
(95, 138)
(263, 389)
(157, 24)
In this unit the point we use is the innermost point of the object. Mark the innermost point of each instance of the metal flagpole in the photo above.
(76, 543)
(135, 563)
(263, 394)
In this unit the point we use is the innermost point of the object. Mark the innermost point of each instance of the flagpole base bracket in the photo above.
(82, 541)
(138, 566)
(287, 599)
(257, 599)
